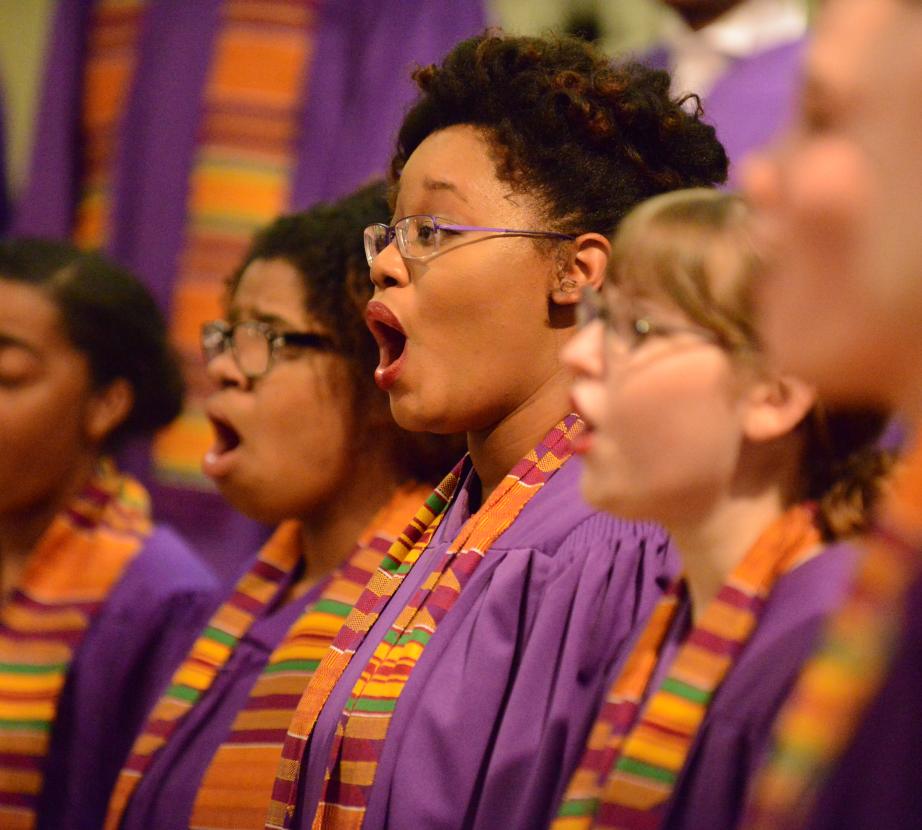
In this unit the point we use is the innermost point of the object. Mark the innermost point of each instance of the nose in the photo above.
(389, 268)
(759, 176)
(223, 370)
(583, 353)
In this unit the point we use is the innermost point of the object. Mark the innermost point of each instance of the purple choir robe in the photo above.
(359, 88)
(752, 101)
(498, 708)
(166, 795)
(735, 737)
(127, 657)
(878, 781)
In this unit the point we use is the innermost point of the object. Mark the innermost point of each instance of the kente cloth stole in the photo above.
(66, 581)
(251, 118)
(364, 722)
(850, 664)
(236, 787)
(387, 578)
(636, 751)
(112, 41)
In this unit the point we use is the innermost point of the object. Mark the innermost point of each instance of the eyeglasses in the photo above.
(420, 236)
(631, 330)
(255, 345)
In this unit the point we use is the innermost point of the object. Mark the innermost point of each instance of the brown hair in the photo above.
(693, 248)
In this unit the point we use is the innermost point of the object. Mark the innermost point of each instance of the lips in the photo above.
(219, 459)
(391, 340)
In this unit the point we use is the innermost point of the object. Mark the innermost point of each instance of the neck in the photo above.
(494, 451)
(711, 547)
(21, 529)
(329, 533)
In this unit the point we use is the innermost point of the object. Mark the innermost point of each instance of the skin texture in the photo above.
(52, 421)
(296, 457)
(684, 434)
(840, 213)
(485, 320)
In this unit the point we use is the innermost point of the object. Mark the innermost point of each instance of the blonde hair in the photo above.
(694, 249)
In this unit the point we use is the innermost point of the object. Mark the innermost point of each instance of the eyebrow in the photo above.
(262, 317)
(440, 184)
(7, 341)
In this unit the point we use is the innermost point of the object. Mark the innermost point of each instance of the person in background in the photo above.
(839, 208)
(466, 697)
(743, 58)
(304, 440)
(97, 604)
(757, 483)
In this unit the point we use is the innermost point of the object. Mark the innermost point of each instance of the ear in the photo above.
(775, 406)
(584, 265)
(107, 409)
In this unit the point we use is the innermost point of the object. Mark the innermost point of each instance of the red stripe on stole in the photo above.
(245, 603)
(278, 701)
(714, 642)
(17, 800)
(360, 749)
(23, 763)
(736, 598)
(266, 570)
(257, 736)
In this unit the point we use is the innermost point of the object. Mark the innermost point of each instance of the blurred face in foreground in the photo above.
(840, 202)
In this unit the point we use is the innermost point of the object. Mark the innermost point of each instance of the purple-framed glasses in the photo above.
(420, 236)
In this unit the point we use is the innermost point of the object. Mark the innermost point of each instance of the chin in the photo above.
(412, 414)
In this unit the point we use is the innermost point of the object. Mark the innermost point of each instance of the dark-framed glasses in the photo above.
(628, 326)
(421, 235)
(255, 345)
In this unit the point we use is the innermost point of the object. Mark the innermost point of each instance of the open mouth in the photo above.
(217, 460)
(391, 340)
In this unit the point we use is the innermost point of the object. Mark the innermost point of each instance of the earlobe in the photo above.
(584, 266)
(108, 409)
(775, 407)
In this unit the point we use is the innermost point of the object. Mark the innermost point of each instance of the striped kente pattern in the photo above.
(636, 751)
(363, 726)
(66, 581)
(850, 664)
(240, 181)
(111, 58)
(236, 787)
(387, 578)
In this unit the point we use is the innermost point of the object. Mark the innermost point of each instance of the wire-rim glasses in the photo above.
(630, 329)
(254, 344)
(421, 235)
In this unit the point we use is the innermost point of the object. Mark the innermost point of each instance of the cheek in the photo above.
(809, 297)
(40, 439)
(668, 436)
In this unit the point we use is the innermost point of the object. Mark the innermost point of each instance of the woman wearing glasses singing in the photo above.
(467, 696)
(689, 425)
(304, 440)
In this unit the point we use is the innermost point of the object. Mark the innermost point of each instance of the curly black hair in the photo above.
(112, 319)
(587, 137)
(324, 245)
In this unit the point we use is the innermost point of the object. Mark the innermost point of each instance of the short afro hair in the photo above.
(587, 137)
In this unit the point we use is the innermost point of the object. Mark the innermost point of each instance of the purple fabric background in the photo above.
(754, 99)
(499, 706)
(123, 664)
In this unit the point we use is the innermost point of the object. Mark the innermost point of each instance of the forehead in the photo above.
(271, 289)
(453, 166)
(29, 315)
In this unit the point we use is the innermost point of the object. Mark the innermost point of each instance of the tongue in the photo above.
(391, 344)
